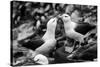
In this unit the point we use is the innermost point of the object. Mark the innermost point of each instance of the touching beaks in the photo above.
(59, 16)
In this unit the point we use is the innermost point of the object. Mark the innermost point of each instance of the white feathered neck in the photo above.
(50, 33)
(69, 25)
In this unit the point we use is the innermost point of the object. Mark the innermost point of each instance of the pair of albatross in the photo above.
(72, 30)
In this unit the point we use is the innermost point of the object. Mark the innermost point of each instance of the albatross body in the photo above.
(45, 44)
(76, 31)
(49, 38)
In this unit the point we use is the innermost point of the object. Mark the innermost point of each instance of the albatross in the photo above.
(48, 37)
(76, 31)
(45, 44)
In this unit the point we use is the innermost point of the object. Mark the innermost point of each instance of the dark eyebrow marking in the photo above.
(66, 16)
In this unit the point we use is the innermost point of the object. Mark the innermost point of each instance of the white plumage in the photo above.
(42, 51)
(41, 59)
(49, 38)
(45, 44)
(74, 30)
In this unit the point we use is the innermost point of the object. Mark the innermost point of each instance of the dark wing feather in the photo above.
(33, 44)
(83, 28)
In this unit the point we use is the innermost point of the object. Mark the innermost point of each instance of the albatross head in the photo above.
(52, 21)
(65, 17)
(51, 25)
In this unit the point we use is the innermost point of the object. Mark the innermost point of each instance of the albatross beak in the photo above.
(59, 16)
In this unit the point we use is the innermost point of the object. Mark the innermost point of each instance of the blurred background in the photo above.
(33, 11)
(39, 13)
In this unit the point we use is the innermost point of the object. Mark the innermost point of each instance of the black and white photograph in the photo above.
(44, 33)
